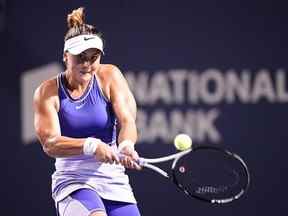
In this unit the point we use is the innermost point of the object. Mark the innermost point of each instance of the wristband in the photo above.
(125, 143)
(90, 146)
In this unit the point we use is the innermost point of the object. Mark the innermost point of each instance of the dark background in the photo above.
(152, 35)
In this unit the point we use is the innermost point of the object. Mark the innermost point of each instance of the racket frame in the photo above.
(148, 163)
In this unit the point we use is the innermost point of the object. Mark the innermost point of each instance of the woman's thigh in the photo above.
(86, 202)
(115, 208)
(83, 202)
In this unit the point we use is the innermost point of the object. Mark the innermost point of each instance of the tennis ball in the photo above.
(182, 142)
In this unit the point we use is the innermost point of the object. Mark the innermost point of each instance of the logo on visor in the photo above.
(88, 38)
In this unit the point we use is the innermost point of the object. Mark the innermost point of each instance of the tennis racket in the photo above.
(207, 173)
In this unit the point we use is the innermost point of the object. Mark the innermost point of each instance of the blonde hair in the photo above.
(77, 26)
(76, 18)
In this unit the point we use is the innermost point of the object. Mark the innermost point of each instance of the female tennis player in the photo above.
(82, 118)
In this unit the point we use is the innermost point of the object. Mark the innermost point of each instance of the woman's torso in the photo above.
(90, 115)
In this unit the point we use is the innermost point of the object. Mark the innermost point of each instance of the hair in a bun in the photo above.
(76, 18)
(77, 26)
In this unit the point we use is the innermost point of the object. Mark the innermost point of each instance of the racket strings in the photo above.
(219, 186)
(211, 175)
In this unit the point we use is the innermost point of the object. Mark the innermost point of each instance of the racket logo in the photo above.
(211, 190)
(182, 169)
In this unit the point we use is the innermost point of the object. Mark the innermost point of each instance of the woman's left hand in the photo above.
(129, 158)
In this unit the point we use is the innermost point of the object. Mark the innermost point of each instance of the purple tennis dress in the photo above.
(91, 115)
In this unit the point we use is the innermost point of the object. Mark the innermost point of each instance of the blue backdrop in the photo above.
(214, 69)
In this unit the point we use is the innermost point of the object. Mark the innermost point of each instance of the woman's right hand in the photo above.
(104, 153)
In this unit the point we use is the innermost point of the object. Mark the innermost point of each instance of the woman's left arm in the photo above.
(125, 108)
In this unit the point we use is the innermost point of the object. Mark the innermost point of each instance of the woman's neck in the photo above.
(72, 84)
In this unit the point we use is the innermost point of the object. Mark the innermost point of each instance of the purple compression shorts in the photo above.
(83, 202)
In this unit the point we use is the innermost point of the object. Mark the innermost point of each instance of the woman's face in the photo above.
(83, 66)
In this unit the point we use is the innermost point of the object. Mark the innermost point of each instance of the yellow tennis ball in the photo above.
(182, 142)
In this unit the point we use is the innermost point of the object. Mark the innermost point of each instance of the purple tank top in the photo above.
(90, 115)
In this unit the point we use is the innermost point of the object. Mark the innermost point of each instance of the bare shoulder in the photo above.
(109, 71)
(111, 79)
(47, 90)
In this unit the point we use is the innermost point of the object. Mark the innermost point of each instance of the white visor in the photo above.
(78, 44)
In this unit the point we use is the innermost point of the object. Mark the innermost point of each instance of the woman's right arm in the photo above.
(47, 127)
